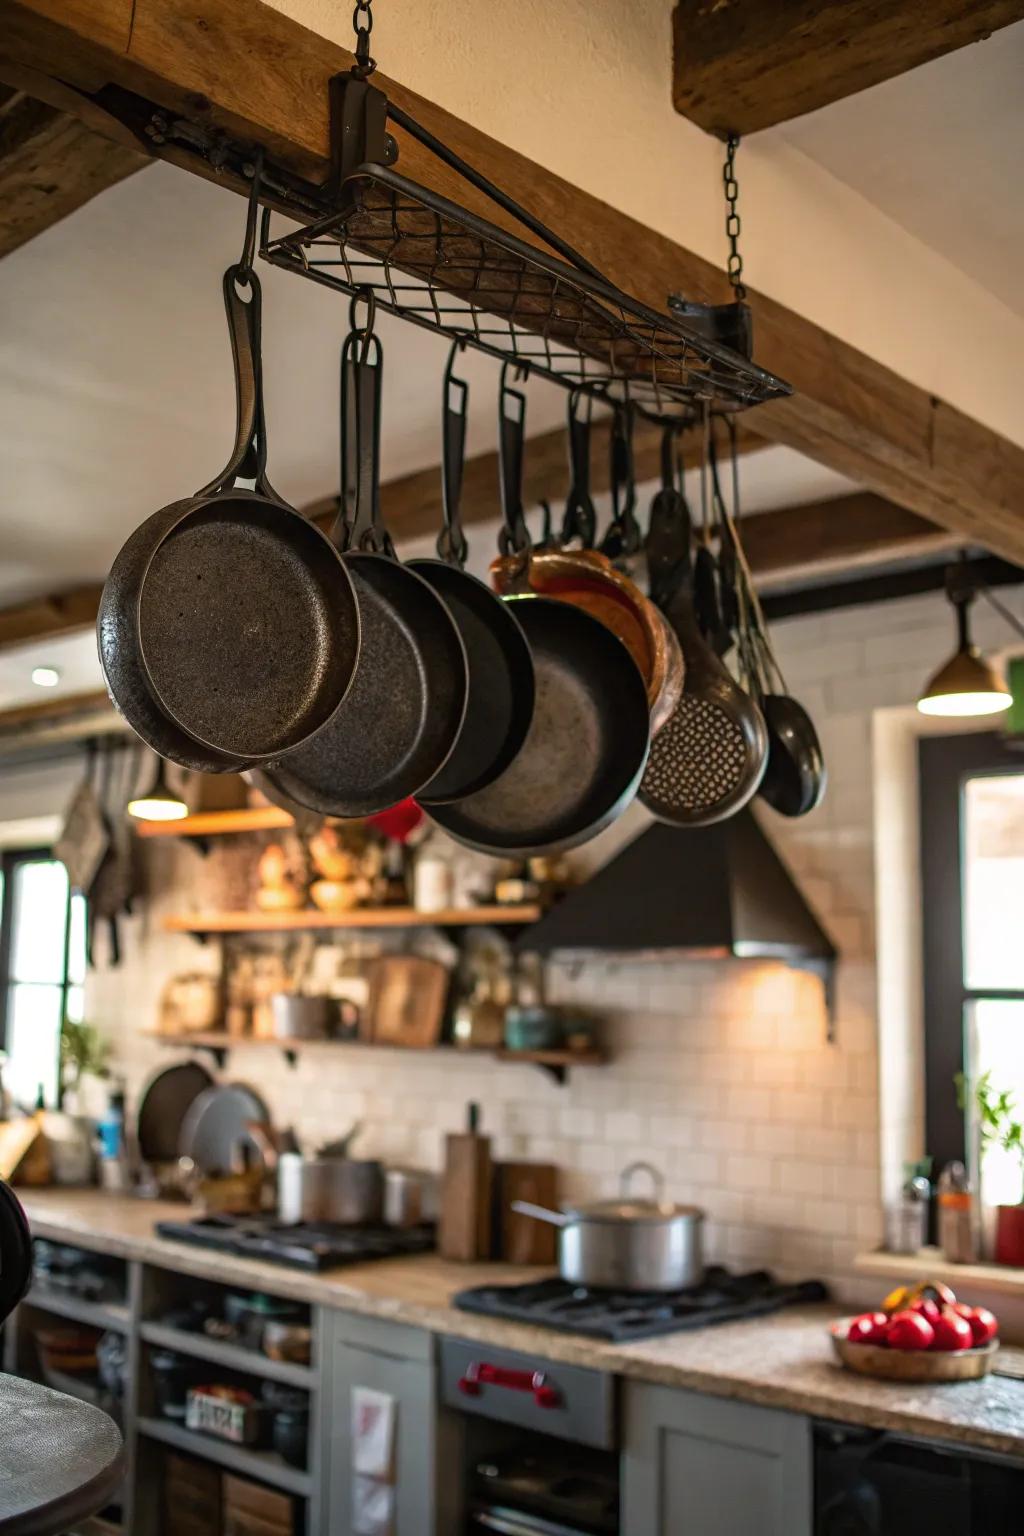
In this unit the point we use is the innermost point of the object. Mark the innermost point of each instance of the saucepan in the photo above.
(628, 1244)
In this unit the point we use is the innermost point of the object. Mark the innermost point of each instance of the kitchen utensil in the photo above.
(216, 1125)
(342, 1145)
(579, 525)
(627, 1244)
(464, 1231)
(588, 740)
(523, 1240)
(165, 1102)
(346, 1190)
(410, 1197)
(228, 627)
(407, 1001)
(918, 1365)
(708, 759)
(622, 537)
(84, 839)
(300, 1018)
(398, 726)
(499, 702)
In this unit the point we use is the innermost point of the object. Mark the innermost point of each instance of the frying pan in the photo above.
(707, 761)
(588, 741)
(400, 722)
(228, 627)
(165, 1101)
(499, 702)
(590, 581)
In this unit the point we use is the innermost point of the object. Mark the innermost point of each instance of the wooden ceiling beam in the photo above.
(50, 164)
(743, 65)
(844, 534)
(245, 69)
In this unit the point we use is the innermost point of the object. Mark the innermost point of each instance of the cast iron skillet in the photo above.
(228, 627)
(499, 704)
(397, 728)
(588, 741)
(15, 1251)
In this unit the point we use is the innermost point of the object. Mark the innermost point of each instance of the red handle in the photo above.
(479, 1374)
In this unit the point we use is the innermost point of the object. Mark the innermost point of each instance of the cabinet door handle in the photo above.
(480, 1374)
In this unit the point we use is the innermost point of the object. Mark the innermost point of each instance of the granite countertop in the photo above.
(783, 1360)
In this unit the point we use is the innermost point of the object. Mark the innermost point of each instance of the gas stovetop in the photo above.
(721, 1297)
(307, 1246)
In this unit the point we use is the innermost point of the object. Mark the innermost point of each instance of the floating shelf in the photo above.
(255, 818)
(264, 1466)
(557, 1063)
(232, 1357)
(203, 923)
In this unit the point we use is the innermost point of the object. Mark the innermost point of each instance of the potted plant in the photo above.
(1000, 1124)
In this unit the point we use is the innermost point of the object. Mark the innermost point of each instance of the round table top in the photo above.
(60, 1459)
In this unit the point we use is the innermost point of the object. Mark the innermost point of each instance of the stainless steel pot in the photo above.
(340, 1189)
(628, 1244)
(410, 1197)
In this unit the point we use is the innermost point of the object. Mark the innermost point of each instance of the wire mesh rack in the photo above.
(440, 266)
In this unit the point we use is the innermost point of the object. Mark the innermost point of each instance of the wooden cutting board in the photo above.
(464, 1230)
(521, 1239)
(407, 1001)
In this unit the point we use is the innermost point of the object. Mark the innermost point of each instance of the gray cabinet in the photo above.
(704, 1466)
(398, 1360)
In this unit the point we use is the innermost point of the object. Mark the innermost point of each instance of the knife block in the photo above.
(464, 1231)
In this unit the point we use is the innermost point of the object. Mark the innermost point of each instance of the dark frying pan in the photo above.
(499, 703)
(588, 741)
(397, 728)
(228, 627)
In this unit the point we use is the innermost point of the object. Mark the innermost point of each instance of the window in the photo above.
(972, 867)
(42, 970)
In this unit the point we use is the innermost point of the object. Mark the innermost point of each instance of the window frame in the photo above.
(945, 763)
(10, 860)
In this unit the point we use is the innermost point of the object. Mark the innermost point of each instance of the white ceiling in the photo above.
(940, 151)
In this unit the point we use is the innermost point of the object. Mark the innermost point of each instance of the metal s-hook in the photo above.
(366, 296)
(243, 269)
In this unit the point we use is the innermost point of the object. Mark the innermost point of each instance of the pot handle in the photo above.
(541, 1213)
(657, 1179)
(451, 541)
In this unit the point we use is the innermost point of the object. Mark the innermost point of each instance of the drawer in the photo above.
(569, 1401)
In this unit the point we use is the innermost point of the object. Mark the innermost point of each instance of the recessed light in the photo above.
(45, 677)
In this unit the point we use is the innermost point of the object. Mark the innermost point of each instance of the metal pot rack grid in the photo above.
(434, 263)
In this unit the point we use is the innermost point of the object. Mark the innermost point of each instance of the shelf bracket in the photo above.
(559, 1072)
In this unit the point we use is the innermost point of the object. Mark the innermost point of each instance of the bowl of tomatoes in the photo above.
(920, 1333)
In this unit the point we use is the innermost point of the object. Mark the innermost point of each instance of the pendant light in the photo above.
(160, 803)
(967, 684)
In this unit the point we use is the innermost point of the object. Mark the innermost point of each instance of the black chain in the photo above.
(362, 25)
(734, 266)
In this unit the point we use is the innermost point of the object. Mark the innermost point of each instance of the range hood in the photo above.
(706, 891)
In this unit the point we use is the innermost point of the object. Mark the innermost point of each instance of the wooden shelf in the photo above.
(232, 1357)
(557, 1063)
(264, 1466)
(94, 1314)
(202, 923)
(256, 818)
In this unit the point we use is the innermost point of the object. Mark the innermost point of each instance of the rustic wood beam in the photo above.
(240, 67)
(45, 618)
(743, 65)
(844, 534)
(50, 164)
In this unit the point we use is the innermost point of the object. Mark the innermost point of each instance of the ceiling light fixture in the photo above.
(46, 677)
(967, 684)
(160, 803)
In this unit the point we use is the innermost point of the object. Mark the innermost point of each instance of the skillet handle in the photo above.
(245, 327)
(364, 375)
(623, 536)
(580, 521)
(451, 541)
(514, 538)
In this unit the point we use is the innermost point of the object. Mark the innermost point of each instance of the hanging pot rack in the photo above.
(435, 263)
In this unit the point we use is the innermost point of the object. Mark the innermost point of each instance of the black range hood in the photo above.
(706, 891)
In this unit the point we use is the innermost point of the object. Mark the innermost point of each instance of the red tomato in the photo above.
(910, 1330)
(868, 1328)
(951, 1331)
(927, 1308)
(982, 1322)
